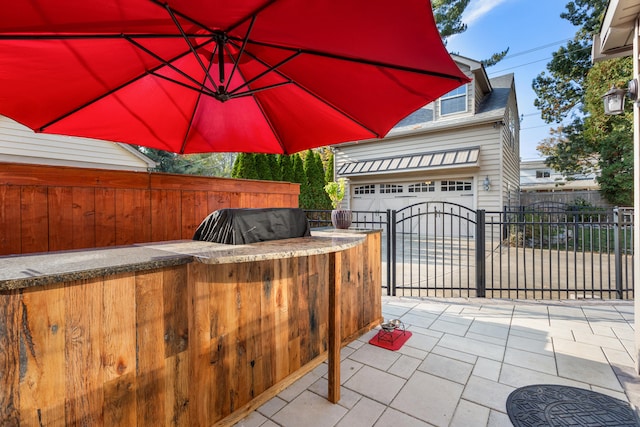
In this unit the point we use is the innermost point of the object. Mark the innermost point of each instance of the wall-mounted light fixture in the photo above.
(487, 184)
(614, 98)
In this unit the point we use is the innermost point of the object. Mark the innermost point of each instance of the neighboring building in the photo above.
(542, 185)
(536, 176)
(19, 144)
(463, 148)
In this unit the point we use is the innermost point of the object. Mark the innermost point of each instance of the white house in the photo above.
(19, 144)
(463, 148)
(536, 176)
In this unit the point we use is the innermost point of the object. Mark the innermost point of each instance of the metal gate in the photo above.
(434, 250)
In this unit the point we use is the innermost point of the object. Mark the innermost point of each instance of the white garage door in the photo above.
(380, 197)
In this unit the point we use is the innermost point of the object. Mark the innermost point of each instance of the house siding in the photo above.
(491, 103)
(510, 179)
(20, 144)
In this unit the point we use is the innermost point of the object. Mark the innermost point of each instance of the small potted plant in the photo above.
(340, 218)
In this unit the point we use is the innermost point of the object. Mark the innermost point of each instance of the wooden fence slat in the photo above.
(9, 358)
(83, 344)
(150, 388)
(105, 204)
(10, 221)
(84, 219)
(60, 204)
(34, 225)
(43, 362)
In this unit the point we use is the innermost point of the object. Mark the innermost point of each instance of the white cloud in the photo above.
(478, 8)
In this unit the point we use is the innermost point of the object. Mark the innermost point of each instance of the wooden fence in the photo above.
(50, 208)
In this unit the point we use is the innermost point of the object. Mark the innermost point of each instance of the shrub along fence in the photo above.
(50, 208)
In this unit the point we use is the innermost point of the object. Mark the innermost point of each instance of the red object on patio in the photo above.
(393, 340)
(193, 76)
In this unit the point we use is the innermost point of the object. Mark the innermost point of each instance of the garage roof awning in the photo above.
(464, 157)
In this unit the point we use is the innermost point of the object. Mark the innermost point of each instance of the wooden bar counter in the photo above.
(179, 333)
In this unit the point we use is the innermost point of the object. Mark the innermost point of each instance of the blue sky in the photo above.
(532, 30)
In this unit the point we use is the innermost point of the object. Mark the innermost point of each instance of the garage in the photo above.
(397, 196)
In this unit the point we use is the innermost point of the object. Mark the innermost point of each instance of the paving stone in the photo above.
(429, 398)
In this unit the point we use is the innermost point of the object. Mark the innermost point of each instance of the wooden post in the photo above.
(335, 275)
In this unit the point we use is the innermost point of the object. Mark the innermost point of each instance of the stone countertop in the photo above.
(23, 271)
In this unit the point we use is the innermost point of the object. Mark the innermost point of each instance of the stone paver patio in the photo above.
(464, 358)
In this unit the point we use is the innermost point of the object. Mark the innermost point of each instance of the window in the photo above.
(512, 130)
(390, 188)
(543, 174)
(455, 186)
(365, 189)
(454, 101)
(422, 187)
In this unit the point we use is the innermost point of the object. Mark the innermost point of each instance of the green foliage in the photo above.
(335, 190)
(495, 58)
(213, 164)
(312, 194)
(328, 169)
(285, 164)
(263, 168)
(276, 172)
(246, 167)
(298, 169)
(592, 141)
(560, 89)
(448, 17)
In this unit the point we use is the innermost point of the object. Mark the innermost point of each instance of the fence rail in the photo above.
(550, 252)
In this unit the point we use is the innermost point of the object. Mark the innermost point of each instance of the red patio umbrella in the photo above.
(193, 76)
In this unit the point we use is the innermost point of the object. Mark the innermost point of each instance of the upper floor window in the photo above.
(454, 101)
(543, 174)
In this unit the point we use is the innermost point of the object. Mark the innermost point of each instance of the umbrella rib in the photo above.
(193, 51)
(200, 87)
(193, 115)
(203, 90)
(241, 52)
(252, 91)
(95, 36)
(252, 15)
(350, 59)
(114, 90)
(267, 71)
(354, 120)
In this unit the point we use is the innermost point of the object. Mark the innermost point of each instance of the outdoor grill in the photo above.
(242, 226)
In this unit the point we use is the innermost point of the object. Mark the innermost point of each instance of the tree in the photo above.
(448, 17)
(298, 169)
(165, 160)
(276, 172)
(210, 164)
(285, 164)
(560, 90)
(263, 168)
(328, 169)
(573, 87)
(246, 167)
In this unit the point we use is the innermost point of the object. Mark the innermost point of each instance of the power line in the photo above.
(524, 52)
(539, 60)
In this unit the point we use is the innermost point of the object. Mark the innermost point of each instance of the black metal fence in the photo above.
(541, 252)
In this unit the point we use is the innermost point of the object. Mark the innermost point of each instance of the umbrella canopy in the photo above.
(194, 76)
